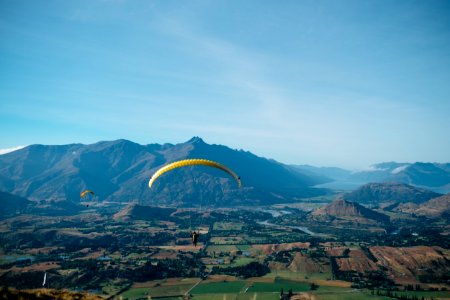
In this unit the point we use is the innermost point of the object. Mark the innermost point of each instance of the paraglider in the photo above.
(194, 236)
(193, 162)
(84, 195)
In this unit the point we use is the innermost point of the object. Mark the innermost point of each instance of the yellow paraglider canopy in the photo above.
(193, 162)
(83, 193)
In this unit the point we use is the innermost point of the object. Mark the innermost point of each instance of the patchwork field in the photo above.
(305, 264)
(404, 264)
(271, 248)
(357, 261)
(230, 226)
(218, 287)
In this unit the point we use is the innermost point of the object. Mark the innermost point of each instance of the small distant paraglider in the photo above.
(87, 195)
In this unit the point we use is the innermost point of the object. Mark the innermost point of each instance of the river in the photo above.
(301, 228)
(278, 213)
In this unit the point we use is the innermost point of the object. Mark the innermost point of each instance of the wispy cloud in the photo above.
(8, 150)
(243, 71)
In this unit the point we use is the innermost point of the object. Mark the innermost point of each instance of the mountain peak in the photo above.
(196, 140)
(342, 208)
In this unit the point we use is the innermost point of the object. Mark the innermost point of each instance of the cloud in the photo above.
(243, 71)
(8, 150)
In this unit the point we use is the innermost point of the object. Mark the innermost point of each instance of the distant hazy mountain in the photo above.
(344, 209)
(376, 193)
(433, 176)
(119, 171)
(430, 175)
(326, 174)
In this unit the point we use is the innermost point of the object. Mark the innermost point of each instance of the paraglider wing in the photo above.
(83, 193)
(193, 162)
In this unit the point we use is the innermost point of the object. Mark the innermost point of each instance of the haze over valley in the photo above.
(279, 231)
(225, 150)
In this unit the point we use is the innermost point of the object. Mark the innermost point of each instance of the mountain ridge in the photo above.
(389, 192)
(341, 208)
(433, 208)
(119, 170)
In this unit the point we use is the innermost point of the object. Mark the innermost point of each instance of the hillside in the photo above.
(377, 193)
(12, 204)
(119, 171)
(43, 294)
(434, 208)
(343, 209)
(139, 212)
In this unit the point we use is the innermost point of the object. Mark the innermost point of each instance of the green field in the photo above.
(235, 290)
(114, 287)
(136, 293)
(244, 247)
(221, 248)
(215, 297)
(168, 290)
(218, 287)
(227, 226)
(240, 261)
(258, 296)
(227, 240)
(277, 286)
(252, 296)
(299, 276)
(337, 293)
(158, 291)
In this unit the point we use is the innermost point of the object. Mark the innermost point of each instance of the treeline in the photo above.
(394, 295)
(253, 269)
(91, 273)
(39, 239)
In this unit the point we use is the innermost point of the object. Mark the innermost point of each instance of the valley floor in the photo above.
(255, 253)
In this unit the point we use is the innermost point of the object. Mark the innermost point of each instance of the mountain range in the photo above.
(433, 176)
(120, 170)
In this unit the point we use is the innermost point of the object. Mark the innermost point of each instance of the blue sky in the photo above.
(342, 83)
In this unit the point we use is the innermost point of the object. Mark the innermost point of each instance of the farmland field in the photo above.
(218, 287)
(135, 293)
(278, 285)
(238, 262)
(215, 297)
(221, 248)
(246, 296)
(227, 226)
